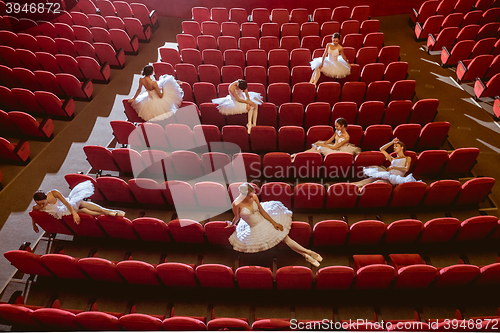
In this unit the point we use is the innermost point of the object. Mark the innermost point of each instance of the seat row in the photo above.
(367, 73)
(54, 318)
(408, 271)
(446, 7)
(264, 138)
(40, 102)
(274, 165)
(102, 52)
(489, 89)
(21, 124)
(81, 67)
(280, 15)
(280, 93)
(469, 49)
(261, 58)
(436, 23)
(252, 29)
(211, 196)
(63, 85)
(449, 37)
(204, 42)
(120, 9)
(17, 153)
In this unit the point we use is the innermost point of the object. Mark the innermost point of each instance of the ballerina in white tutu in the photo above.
(333, 63)
(340, 141)
(160, 100)
(240, 101)
(261, 227)
(56, 205)
(395, 173)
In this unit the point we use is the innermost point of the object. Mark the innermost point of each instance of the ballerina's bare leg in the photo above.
(252, 118)
(255, 113)
(96, 210)
(315, 76)
(310, 256)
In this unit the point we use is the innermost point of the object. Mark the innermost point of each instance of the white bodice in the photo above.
(253, 216)
(398, 162)
(333, 54)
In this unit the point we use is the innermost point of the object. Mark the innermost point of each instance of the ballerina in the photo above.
(333, 63)
(261, 227)
(56, 205)
(155, 104)
(240, 101)
(395, 173)
(340, 141)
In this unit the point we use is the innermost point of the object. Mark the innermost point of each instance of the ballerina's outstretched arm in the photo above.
(236, 212)
(343, 56)
(137, 92)
(276, 225)
(56, 194)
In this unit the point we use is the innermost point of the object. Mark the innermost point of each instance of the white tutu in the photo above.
(394, 179)
(228, 105)
(259, 234)
(75, 198)
(334, 66)
(348, 148)
(151, 107)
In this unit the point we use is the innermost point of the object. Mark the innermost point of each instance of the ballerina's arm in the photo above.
(137, 92)
(232, 91)
(324, 56)
(276, 225)
(387, 145)
(236, 212)
(158, 91)
(404, 168)
(59, 196)
(338, 144)
(343, 56)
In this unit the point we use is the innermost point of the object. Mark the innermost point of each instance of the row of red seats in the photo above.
(102, 52)
(371, 72)
(469, 49)
(81, 67)
(251, 29)
(483, 67)
(315, 113)
(436, 23)
(63, 85)
(54, 318)
(276, 57)
(449, 37)
(446, 7)
(259, 57)
(408, 271)
(280, 15)
(266, 138)
(118, 38)
(307, 196)
(204, 42)
(119, 9)
(280, 93)
(41, 102)
(21, 124)
(274, 165)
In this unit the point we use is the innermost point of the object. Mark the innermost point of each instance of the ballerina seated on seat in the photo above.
(261, 227)
(340, 141)
(56, 205)
(395, 173)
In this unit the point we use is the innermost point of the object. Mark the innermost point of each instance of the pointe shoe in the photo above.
(249, 127)
(111, 213)
(120, 213)
(315, 256)
(312, 261)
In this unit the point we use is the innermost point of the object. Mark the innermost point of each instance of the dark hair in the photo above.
(242, 84)
(336, 35)
(39, 195)
(147, 70)
(402, 144)
(341, 121)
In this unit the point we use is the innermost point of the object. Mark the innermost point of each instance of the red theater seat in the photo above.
(140, 322)
(151, 229)
(215, 276)
(439, 230)
(330, 232)
(456, 276)
(254, 277)
(100, 269)
(117, 227)
(294, 277)
(186, 231)
(366, 232)
(334, 277)
(176, 274)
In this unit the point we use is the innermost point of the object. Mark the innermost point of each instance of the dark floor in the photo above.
(471, 126)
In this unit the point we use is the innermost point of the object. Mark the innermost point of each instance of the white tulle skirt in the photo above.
(228, 106)
(336, 68)
(348, 148)
(382, 173)
(75, 198)
(262, 236)
(151, 107)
